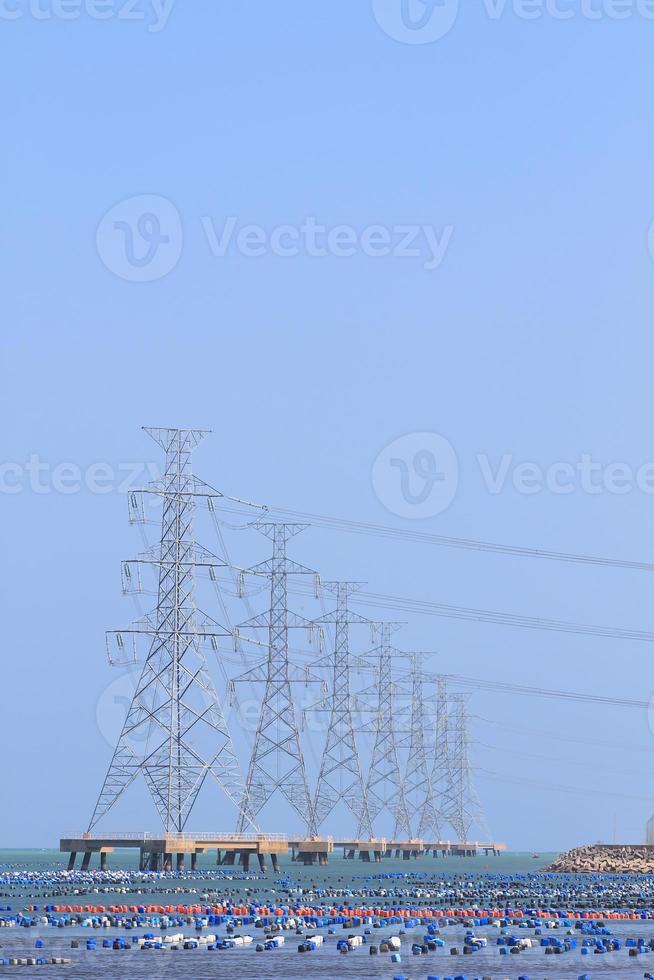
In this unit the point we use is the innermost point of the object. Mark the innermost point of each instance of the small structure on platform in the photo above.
(157, 851)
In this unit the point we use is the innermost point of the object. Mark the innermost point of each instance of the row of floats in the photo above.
(479, 916)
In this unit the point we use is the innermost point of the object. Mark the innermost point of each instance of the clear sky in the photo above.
(168, 173)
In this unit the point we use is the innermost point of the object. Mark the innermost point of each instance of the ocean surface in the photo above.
(43, 868)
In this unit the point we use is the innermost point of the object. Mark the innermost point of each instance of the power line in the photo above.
(583, 763)
(546, 784)
(466, 544)
(446, 611)
(426, 608)
(565, 737)
(501, 687)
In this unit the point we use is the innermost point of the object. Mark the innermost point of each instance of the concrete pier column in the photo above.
(364, 856)
(180, 862)
(71, 860)
(86, 860)
(323, 859)
(245, 860)
(168, 862)
(406, 855)
(350, 854)
(103, 860)
(194, 861)
(230, 858)
(219, 857)
(275, 863)
(378, 857)
(262, 863)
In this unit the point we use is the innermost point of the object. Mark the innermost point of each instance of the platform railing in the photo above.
(172, 835)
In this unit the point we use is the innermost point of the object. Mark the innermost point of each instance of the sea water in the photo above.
(325, 963)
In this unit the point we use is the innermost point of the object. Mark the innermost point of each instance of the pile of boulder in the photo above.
(607, 859)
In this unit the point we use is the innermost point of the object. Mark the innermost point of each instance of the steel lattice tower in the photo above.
(175, 733)
(442, 779)
(277, 761)
(418, 789)
(385, 788)
(340, 770)
(465, 805)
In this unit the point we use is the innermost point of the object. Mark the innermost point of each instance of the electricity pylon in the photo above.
(442, 779)
(466, 809)
(340, 776)
(277, 760)
(418, 789)
(384, 787)
(175, 733)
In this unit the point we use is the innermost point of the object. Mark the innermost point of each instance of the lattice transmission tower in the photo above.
(418, 788)
(277, 760)
(443, 778)
(175, 733)
(385, 787)
(340, 777)
(466, 809)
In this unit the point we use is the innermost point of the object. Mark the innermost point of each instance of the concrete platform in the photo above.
(157, 850)
(312, 850)
(463, 848)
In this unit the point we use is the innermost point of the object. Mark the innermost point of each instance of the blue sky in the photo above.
(520, 150)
